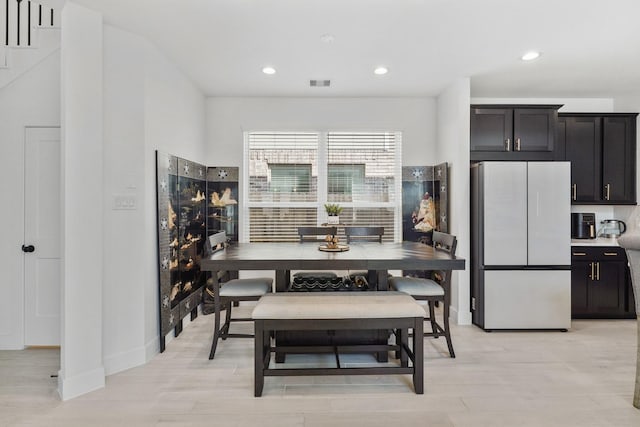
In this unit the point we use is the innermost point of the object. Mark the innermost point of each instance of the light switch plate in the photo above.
(124, 202)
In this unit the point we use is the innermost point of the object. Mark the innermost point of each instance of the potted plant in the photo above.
(333, 211)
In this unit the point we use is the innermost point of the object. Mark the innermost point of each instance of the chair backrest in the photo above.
(371, 234)
(312, 233)
(446, 243)
(216, 242)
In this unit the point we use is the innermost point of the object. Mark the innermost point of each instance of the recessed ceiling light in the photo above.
(381, 70)
(530, 56)
(269, 70)
(327, 38)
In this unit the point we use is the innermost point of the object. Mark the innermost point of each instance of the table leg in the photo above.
(383, 280)
(383, 335)
(283, 278)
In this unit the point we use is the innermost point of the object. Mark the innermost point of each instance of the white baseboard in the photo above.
(125, 360)
(80, 384)
(152, 348)
(458, 317)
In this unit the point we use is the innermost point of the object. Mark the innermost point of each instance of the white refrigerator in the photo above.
(521, 245)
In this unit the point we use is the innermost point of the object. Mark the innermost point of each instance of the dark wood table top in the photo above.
(307, 256)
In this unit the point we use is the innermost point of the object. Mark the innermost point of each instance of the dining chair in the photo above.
(366, 234)
(435, 289)
(315, 234)
(312, 234)
(229, 293)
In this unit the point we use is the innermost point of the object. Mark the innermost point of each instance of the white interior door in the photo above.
(42, 232)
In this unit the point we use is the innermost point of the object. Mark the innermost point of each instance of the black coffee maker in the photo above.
(583, 225)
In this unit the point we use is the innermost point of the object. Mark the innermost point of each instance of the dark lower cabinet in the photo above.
(600, 285)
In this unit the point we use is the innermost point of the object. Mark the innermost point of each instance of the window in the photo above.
(342, 179)
(289, 176)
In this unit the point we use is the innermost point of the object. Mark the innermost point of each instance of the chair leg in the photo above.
(227, 321)
(216, 334)
(447, 331)
(432, 319)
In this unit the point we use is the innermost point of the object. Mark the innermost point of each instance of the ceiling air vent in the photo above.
(319, 83)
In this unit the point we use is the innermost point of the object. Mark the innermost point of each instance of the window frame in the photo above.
(322, 183)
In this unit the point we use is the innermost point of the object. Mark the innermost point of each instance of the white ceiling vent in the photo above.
(319, 83)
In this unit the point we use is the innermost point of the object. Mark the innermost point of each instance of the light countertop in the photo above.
(599, 241)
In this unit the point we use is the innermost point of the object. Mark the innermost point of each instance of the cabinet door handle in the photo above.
(580, 254)
(517, 144)
(592, 275)
(574, 189)
(611, 254)
(608, 190)
(507, 144)
(597, 271)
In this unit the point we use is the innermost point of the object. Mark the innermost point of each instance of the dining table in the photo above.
(375, 258)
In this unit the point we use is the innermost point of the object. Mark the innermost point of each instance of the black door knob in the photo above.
(29, 248)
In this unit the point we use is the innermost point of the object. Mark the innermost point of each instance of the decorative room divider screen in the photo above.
(193, 202)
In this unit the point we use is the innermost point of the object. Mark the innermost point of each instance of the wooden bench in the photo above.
(395, 311)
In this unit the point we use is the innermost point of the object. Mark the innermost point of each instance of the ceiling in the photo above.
(590, 48)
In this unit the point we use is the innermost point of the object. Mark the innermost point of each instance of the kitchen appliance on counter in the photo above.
(612, 228)
(583, 225)
(521, 245)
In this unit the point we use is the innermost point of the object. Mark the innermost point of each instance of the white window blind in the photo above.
(291, 175)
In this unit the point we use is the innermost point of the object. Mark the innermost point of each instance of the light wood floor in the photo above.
(580, 378)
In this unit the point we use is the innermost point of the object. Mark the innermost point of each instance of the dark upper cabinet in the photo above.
(619, 159)
(582, 139)
(513, 132)
(602, 151)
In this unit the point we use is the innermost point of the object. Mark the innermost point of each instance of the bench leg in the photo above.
(418, 354)
(403, 341)
(259, 357)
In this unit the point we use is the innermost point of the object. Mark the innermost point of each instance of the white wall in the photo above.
(120, 83)
(81, 358)
(453, 125)
(175, 117)
(149, 105)
(124, 240)
(227, 118)
(31, 100)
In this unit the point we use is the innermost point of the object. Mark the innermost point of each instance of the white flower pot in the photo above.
(335, 219)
